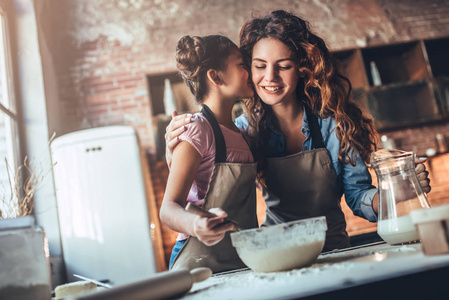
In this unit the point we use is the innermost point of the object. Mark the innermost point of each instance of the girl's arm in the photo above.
(185, 163)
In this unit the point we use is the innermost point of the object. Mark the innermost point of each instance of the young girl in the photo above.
(212, 166)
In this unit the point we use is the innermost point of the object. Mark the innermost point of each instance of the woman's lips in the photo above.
(271, 89)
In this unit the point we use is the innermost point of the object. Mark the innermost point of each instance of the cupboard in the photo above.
(400, 84)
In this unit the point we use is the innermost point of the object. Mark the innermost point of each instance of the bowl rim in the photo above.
(308, 221)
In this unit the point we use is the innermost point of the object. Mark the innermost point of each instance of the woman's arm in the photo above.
(172, 133)
(360, 194)
(185, 163)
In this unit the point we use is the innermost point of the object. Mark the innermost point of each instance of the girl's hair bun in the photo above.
(189, 53)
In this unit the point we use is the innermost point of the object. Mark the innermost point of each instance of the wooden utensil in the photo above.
(99, 283)
(190, 207)
(169, 284)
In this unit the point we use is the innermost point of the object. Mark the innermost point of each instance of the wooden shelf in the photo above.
(403, 104)
(396, 63)
(351, 66)
(414, 81)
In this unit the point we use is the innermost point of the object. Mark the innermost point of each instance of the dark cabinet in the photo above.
(400, 84)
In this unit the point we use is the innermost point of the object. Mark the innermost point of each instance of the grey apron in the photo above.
(231, 187)
(304, 185)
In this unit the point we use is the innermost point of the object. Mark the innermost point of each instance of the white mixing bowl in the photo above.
(281, 247)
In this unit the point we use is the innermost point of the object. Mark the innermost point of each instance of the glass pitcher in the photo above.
(399, 194)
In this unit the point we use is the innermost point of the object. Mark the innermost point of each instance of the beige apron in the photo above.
(304, 185)
(231, 187)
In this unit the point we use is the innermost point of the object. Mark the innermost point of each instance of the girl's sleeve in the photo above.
(200, 135)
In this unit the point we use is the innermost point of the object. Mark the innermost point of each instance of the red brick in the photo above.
(104, 88)
(120, 92)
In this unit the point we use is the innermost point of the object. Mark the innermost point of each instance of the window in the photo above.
(9, 148)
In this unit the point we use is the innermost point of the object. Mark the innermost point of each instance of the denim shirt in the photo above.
(353, 181)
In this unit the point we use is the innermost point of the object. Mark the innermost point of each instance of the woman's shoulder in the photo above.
(328, 126)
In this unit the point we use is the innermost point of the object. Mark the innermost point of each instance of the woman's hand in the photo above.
(211, 231)
(172, 133)
(422, 174)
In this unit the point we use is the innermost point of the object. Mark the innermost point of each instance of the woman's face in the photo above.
(274, 72)
(236, 77)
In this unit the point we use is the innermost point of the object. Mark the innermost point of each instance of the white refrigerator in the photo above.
(107, 211)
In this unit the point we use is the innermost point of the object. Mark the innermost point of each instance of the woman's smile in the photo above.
(272, 88)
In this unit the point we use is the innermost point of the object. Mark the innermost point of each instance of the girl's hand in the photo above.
(211, 231)
(172, 133)
(422, 175)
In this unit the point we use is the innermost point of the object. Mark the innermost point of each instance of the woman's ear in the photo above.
(214, 77)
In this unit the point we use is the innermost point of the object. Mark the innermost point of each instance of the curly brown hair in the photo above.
(321, 85)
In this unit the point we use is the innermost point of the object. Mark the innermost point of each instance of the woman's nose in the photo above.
(270, 73)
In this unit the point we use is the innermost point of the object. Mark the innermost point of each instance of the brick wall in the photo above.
(103, 50)
(419, 139)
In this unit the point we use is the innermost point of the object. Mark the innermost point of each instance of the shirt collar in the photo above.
(305, 126)
(305, 123)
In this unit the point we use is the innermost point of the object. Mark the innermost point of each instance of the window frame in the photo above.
(7, 85)
(8, 104)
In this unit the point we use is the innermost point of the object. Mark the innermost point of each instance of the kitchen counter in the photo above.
(362, 272)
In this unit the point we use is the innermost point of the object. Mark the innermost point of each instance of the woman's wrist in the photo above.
(375, 203)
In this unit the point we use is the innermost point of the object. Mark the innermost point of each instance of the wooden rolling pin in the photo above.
(167, 284)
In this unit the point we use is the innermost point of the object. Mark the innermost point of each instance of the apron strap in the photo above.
(315, 131)
(220, 145)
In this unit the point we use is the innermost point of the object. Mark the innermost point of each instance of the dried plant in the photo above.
(22, 186)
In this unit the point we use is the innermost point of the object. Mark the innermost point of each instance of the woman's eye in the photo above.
(259, 67)
(285, 67)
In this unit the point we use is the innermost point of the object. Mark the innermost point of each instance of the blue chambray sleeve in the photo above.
(358, 189)
(241, 122)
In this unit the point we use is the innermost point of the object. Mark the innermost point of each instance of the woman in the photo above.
(212, 166)
(311, 141)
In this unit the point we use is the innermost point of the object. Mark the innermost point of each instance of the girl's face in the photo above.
(236, 78)
(274, 72)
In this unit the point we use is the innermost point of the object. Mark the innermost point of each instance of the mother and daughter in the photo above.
(303, 140)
